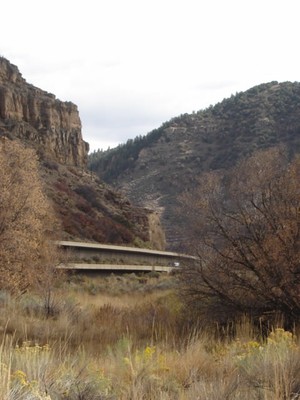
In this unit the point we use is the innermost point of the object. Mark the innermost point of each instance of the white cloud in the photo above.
(131, 65)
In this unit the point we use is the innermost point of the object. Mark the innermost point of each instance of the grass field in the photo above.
(129, 338)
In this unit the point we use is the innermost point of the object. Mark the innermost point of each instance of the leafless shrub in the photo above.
(246, 234)
(26, 220)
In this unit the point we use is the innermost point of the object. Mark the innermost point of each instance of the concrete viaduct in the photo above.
(90, 257)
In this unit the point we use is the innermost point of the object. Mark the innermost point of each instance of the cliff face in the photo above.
(87, 208)
(31, 114)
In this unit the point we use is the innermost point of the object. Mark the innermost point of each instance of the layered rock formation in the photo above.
(31, 114)
(88, 209)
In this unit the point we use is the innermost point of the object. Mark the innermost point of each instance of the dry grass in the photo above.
(133, 346)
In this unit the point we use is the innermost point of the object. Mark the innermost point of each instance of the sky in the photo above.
(130, 65)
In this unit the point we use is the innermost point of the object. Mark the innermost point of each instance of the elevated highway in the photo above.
(85, 257)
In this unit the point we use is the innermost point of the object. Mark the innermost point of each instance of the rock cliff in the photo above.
(31, 114)
(87, 209)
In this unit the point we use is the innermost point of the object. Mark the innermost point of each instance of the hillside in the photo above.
(87, 208)
(154, 170)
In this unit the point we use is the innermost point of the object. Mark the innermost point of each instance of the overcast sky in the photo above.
(131, 65)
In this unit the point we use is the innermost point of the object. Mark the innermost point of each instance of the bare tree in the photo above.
(247, 235)
(26, 219)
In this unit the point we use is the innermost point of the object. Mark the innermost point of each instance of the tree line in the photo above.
(111, 163)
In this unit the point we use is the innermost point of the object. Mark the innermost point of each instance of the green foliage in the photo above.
(111, 163)
(258, 118)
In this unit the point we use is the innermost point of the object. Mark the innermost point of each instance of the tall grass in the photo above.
(135, 346)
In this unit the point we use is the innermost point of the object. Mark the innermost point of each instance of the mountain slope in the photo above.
(161, 165)
(87, 208)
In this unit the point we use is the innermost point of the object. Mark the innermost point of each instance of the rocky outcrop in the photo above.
(157, 236)
(87, 209)
(35, 116)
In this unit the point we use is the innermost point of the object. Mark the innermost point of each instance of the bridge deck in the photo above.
(83, 256)
(116, 249)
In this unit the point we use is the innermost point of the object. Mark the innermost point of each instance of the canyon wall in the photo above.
(35, 116)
